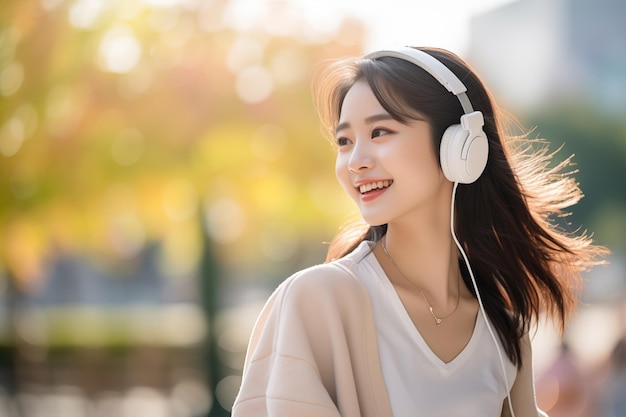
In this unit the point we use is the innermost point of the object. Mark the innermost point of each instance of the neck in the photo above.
(425, 255)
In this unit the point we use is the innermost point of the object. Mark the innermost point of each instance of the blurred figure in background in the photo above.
(614, 392)
(562, 389)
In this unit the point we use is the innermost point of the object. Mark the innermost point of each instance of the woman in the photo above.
(426, 310)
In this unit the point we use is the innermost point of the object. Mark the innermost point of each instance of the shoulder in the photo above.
(322, 280)
(333, 286)
(339, 273)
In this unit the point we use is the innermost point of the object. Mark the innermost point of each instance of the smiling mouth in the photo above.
(366, 188)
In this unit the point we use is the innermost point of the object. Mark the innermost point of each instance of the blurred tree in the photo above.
(128, 123)
(598, 143)
(120, 118)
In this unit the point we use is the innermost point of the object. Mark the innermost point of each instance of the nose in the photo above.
(360, 159)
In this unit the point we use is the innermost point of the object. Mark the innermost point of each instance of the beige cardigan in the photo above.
(313, 351)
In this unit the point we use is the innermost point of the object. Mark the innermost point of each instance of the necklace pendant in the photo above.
(438, 320)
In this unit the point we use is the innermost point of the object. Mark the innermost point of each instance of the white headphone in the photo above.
(464, 147)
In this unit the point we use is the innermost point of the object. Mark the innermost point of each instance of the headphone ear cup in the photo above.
(452, 139)
(463, 159)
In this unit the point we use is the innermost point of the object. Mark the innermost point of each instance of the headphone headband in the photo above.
(434, 67)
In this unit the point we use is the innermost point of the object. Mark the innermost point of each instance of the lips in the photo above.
(374, 185)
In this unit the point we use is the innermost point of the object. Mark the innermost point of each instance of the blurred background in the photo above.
(162, 169)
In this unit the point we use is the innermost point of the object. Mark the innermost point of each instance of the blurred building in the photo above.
(530, 51)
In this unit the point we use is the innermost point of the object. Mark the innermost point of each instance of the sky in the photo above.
(441, 23)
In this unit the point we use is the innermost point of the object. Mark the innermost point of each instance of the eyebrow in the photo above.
(368, 120)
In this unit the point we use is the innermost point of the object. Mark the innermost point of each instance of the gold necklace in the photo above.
(438, 320)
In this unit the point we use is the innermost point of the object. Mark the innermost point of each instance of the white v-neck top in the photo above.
(418, 382)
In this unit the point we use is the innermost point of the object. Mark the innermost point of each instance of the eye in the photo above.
(379, 131)
(342, 141)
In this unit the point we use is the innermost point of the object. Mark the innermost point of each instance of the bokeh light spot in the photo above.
(11, 78)
(119, 50)
(184, 325)
(254, 84)
(226, 220)
(144, 401)
(226, 390)
(85, 13)
(11, 137)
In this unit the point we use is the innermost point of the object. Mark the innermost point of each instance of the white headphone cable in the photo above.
(480, 301)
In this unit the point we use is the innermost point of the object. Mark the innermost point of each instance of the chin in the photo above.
(375, 224)
(374, 220)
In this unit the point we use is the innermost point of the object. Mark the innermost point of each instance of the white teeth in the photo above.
(374, 185)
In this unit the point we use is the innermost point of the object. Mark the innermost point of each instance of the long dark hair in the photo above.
(509, 221)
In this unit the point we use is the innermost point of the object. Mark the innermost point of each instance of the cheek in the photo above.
(425, 157)
(418, 163)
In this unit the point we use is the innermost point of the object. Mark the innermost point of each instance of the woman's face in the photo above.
(388, 168)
